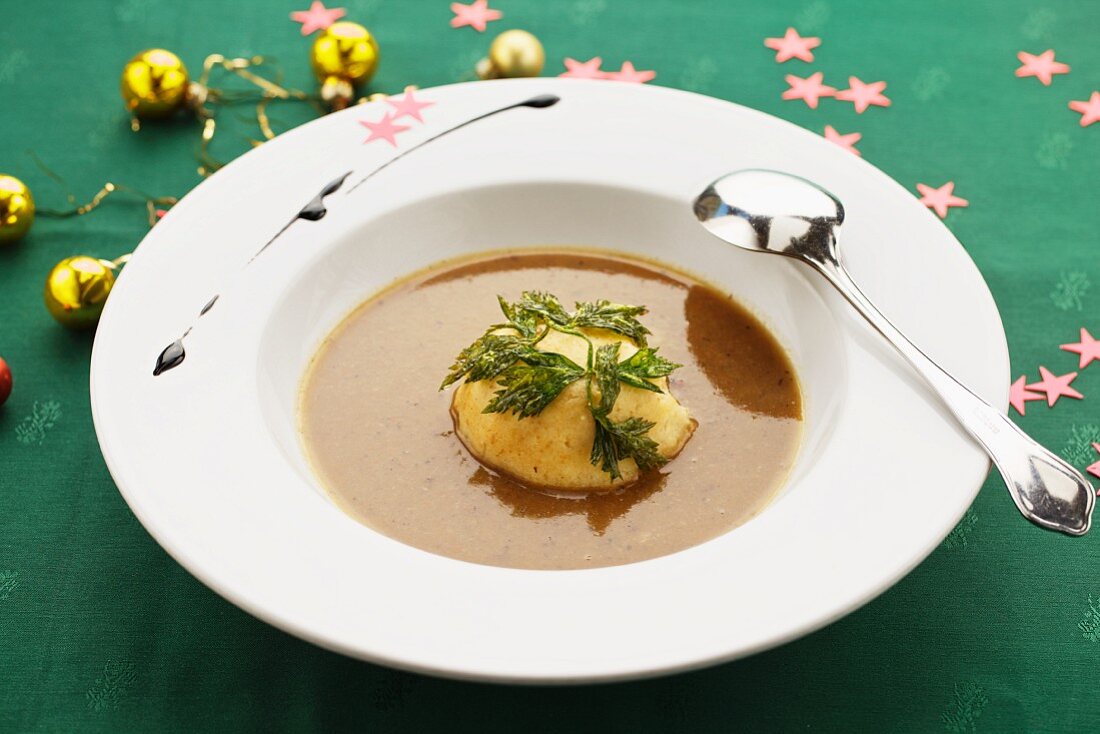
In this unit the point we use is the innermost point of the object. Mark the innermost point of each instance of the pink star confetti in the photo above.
(864, 95)
(940, 199)
(1043, 66)
(1019, 395)
(627, 73)
(793, 46)
(1055, 386)
(408, 106)
(476, 15)
(1094, 469)
(1088, 348)
(1090, 110)
(583, 69)
(384, 129)
(847, 141)
(809, 89)
(317, 18)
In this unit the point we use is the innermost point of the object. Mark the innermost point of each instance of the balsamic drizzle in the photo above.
(538, 102)
(173, 355)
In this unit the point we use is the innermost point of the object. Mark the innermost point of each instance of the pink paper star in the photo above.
(847, 141)
(940, 199)
(1095, 468)
(629, 74)
(1055, 386)
(476, 14)
(1088, 348)
(384, 129)
(583, 70)
(793, 46)
(809, 89)
(1042, 66)
(864, 95)
(1090, 111)
(1019, 395)
(408, 106)
(317, 18)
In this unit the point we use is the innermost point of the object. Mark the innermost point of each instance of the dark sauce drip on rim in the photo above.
(209, 305)
(538, 102)
(174, 354)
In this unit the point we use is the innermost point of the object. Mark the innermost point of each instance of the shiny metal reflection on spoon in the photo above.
(774, 212)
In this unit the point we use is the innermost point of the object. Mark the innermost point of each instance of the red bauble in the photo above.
(5, 381)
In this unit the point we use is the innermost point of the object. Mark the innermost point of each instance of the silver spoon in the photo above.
(769, 211)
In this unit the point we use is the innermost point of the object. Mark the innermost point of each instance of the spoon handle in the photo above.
(1046, 489)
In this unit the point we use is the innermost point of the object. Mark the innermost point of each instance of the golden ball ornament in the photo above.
(155, 84)
(76, 290)
(16, 209)
(344, 51)
(514, 53)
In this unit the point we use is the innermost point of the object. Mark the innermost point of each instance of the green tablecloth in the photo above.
(999, 630)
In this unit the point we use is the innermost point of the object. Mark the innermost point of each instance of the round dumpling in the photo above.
(552, 449)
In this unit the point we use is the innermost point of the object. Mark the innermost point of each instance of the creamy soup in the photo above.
(379, 431)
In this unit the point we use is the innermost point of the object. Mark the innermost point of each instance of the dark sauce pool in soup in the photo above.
(379, 433)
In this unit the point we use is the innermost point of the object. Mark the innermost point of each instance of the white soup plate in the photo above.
(208, 456)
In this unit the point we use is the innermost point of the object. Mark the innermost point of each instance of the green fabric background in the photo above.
(998, 631)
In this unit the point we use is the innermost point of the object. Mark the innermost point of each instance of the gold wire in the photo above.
(270, 90)
(240, 67)
(152, 204)
(262, 119)
(108, 189)
(103, 193)
(207, 163)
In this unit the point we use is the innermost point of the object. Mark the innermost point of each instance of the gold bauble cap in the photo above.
(337, 92)
(154, 84)
(16, 209)
(76, 290)
(514, 53)
(346, 50)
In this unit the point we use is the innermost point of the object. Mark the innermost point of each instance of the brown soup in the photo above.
(379, 432)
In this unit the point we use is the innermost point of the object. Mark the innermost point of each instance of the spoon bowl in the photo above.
(768, 210)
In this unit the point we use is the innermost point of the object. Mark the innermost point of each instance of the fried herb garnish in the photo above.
(613, 317)
(532, 383)
(626, 439)
(531, 379)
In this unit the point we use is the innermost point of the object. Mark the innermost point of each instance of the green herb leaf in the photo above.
(643, 365)
(615, 317)
(546, 306)
(525, 322)
(529, 386)
(605, 365)
(624, 440)
(487, 357)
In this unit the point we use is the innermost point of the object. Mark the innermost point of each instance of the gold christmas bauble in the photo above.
(513, 54)
(155, 84)
(345, 51)
(16, 209)
(76, 290)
